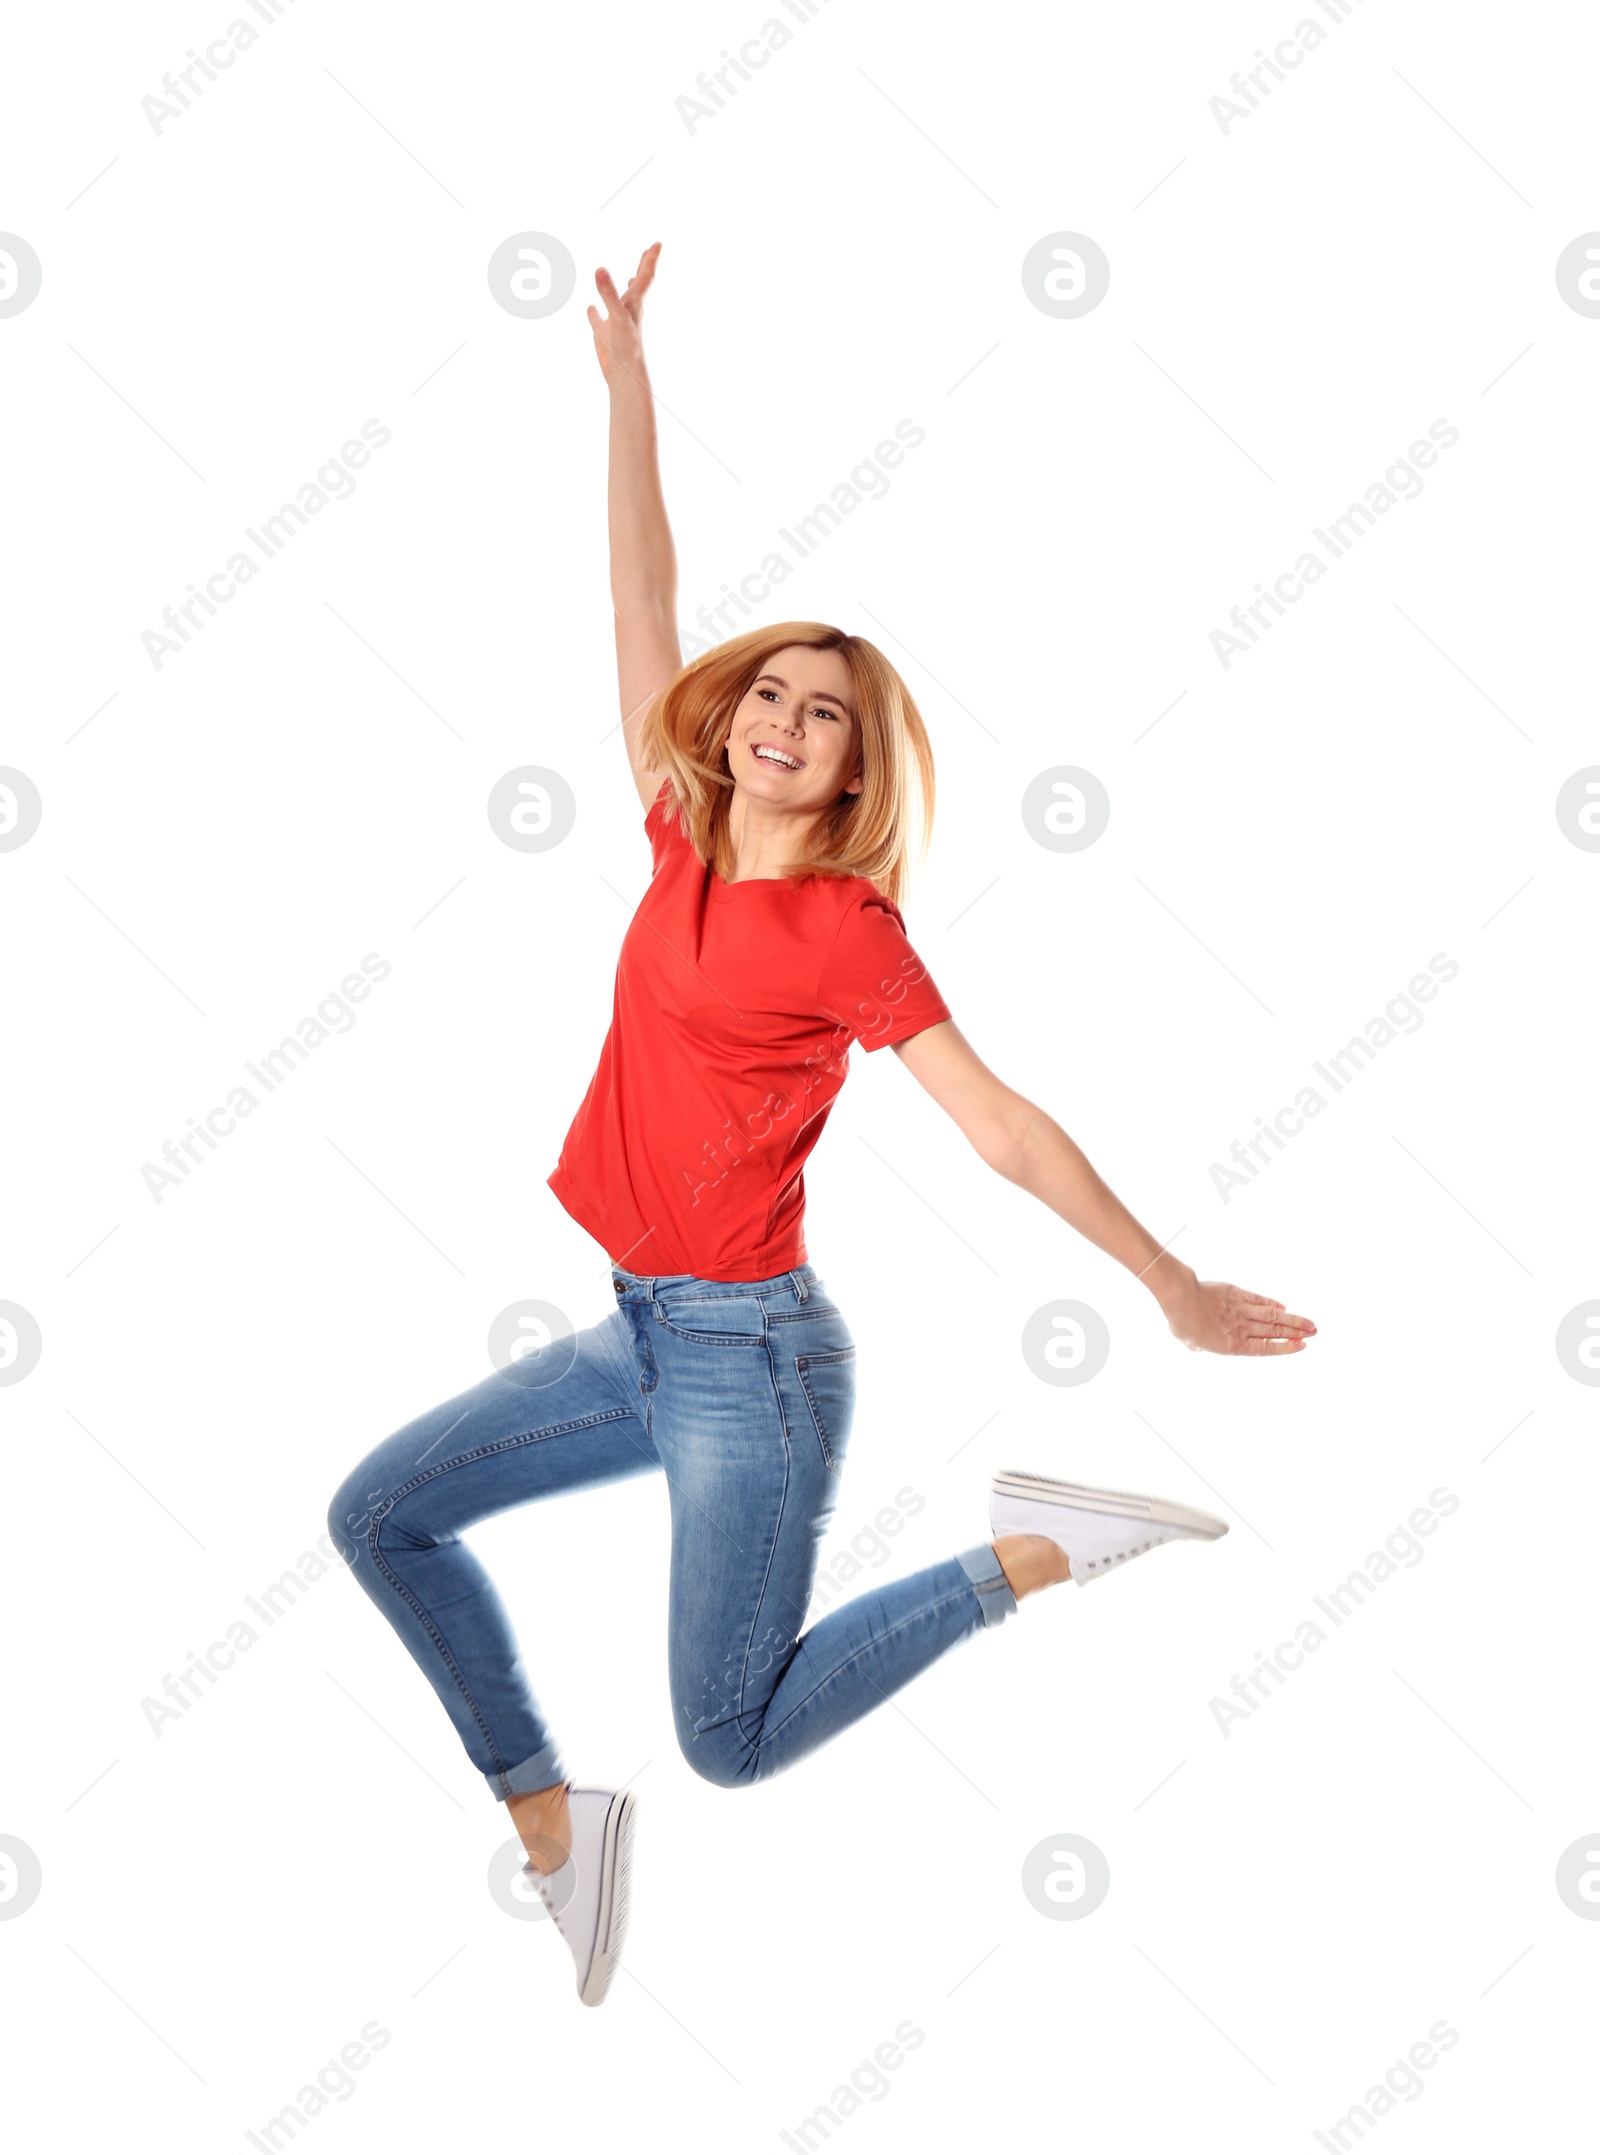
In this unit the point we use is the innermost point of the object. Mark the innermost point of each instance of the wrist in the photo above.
(630, 379)
(1170, 1280)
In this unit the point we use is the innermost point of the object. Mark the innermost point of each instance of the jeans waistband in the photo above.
(798, 1284)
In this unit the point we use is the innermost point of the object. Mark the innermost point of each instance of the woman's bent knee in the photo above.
(351, 1508)
(720, 1754)
(338, 1533)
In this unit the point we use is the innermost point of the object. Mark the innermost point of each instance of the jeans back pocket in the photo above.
(829, 1383)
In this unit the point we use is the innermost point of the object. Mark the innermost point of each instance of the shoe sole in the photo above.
(1042, 1489)
(616, 1865)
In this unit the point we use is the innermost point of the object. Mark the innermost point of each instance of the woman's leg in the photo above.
(571, 1418)
(1030, 1561)
(752, 1421)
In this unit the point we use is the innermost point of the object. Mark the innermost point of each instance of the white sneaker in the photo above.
(588, 1895)
(1098, 1528)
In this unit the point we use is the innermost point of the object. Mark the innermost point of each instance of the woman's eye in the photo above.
(818, 712)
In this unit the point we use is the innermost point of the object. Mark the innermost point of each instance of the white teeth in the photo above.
(768, 754)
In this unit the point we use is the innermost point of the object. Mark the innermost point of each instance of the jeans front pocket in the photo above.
(829, 1383)
(715, 1320)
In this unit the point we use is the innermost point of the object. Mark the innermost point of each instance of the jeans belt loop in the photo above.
(799, 1286)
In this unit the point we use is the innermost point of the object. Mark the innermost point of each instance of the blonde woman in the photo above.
(776, 773)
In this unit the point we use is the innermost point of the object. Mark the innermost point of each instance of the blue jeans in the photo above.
(742, 1393)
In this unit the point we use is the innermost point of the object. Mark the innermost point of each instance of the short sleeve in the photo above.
(663, 836)
(872, 981)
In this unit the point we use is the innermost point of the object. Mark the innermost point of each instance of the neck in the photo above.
(764, 839)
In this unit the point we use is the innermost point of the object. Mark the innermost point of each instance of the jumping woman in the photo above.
(776, 772)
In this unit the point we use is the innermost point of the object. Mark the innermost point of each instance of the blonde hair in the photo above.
(684, 734)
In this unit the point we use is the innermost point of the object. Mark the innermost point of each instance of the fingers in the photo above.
(1278, 1335)
(1282, 1320)
(638, 284)
(1259, 1301)
(619, 302)
(1236, 1320)
(1290, 1323)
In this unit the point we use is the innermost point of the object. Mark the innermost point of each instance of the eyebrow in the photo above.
(779, 682)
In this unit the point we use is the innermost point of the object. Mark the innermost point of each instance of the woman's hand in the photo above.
(1213, 1317)
(618, 340)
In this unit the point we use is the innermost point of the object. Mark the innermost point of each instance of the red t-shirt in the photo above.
(730, 1034)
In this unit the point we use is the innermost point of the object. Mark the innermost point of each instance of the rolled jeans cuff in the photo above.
(993, 1588)
(543, 1770)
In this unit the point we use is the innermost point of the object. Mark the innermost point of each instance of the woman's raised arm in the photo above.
(644, 568)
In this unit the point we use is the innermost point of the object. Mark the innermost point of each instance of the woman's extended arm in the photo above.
(1023, 1143)
(644, 568)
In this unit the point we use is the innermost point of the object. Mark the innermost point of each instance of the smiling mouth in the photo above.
(767, 752)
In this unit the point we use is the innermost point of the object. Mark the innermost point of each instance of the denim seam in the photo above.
(720, 1291)
(777, 1534)
(397, 1584)
(398, 1587)
(715, 1339)
(916, 1616)
(991, 1588)
(502, 1774)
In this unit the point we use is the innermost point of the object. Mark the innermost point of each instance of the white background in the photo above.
(224, 1906)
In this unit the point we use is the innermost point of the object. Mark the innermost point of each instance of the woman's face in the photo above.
(794, 739)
